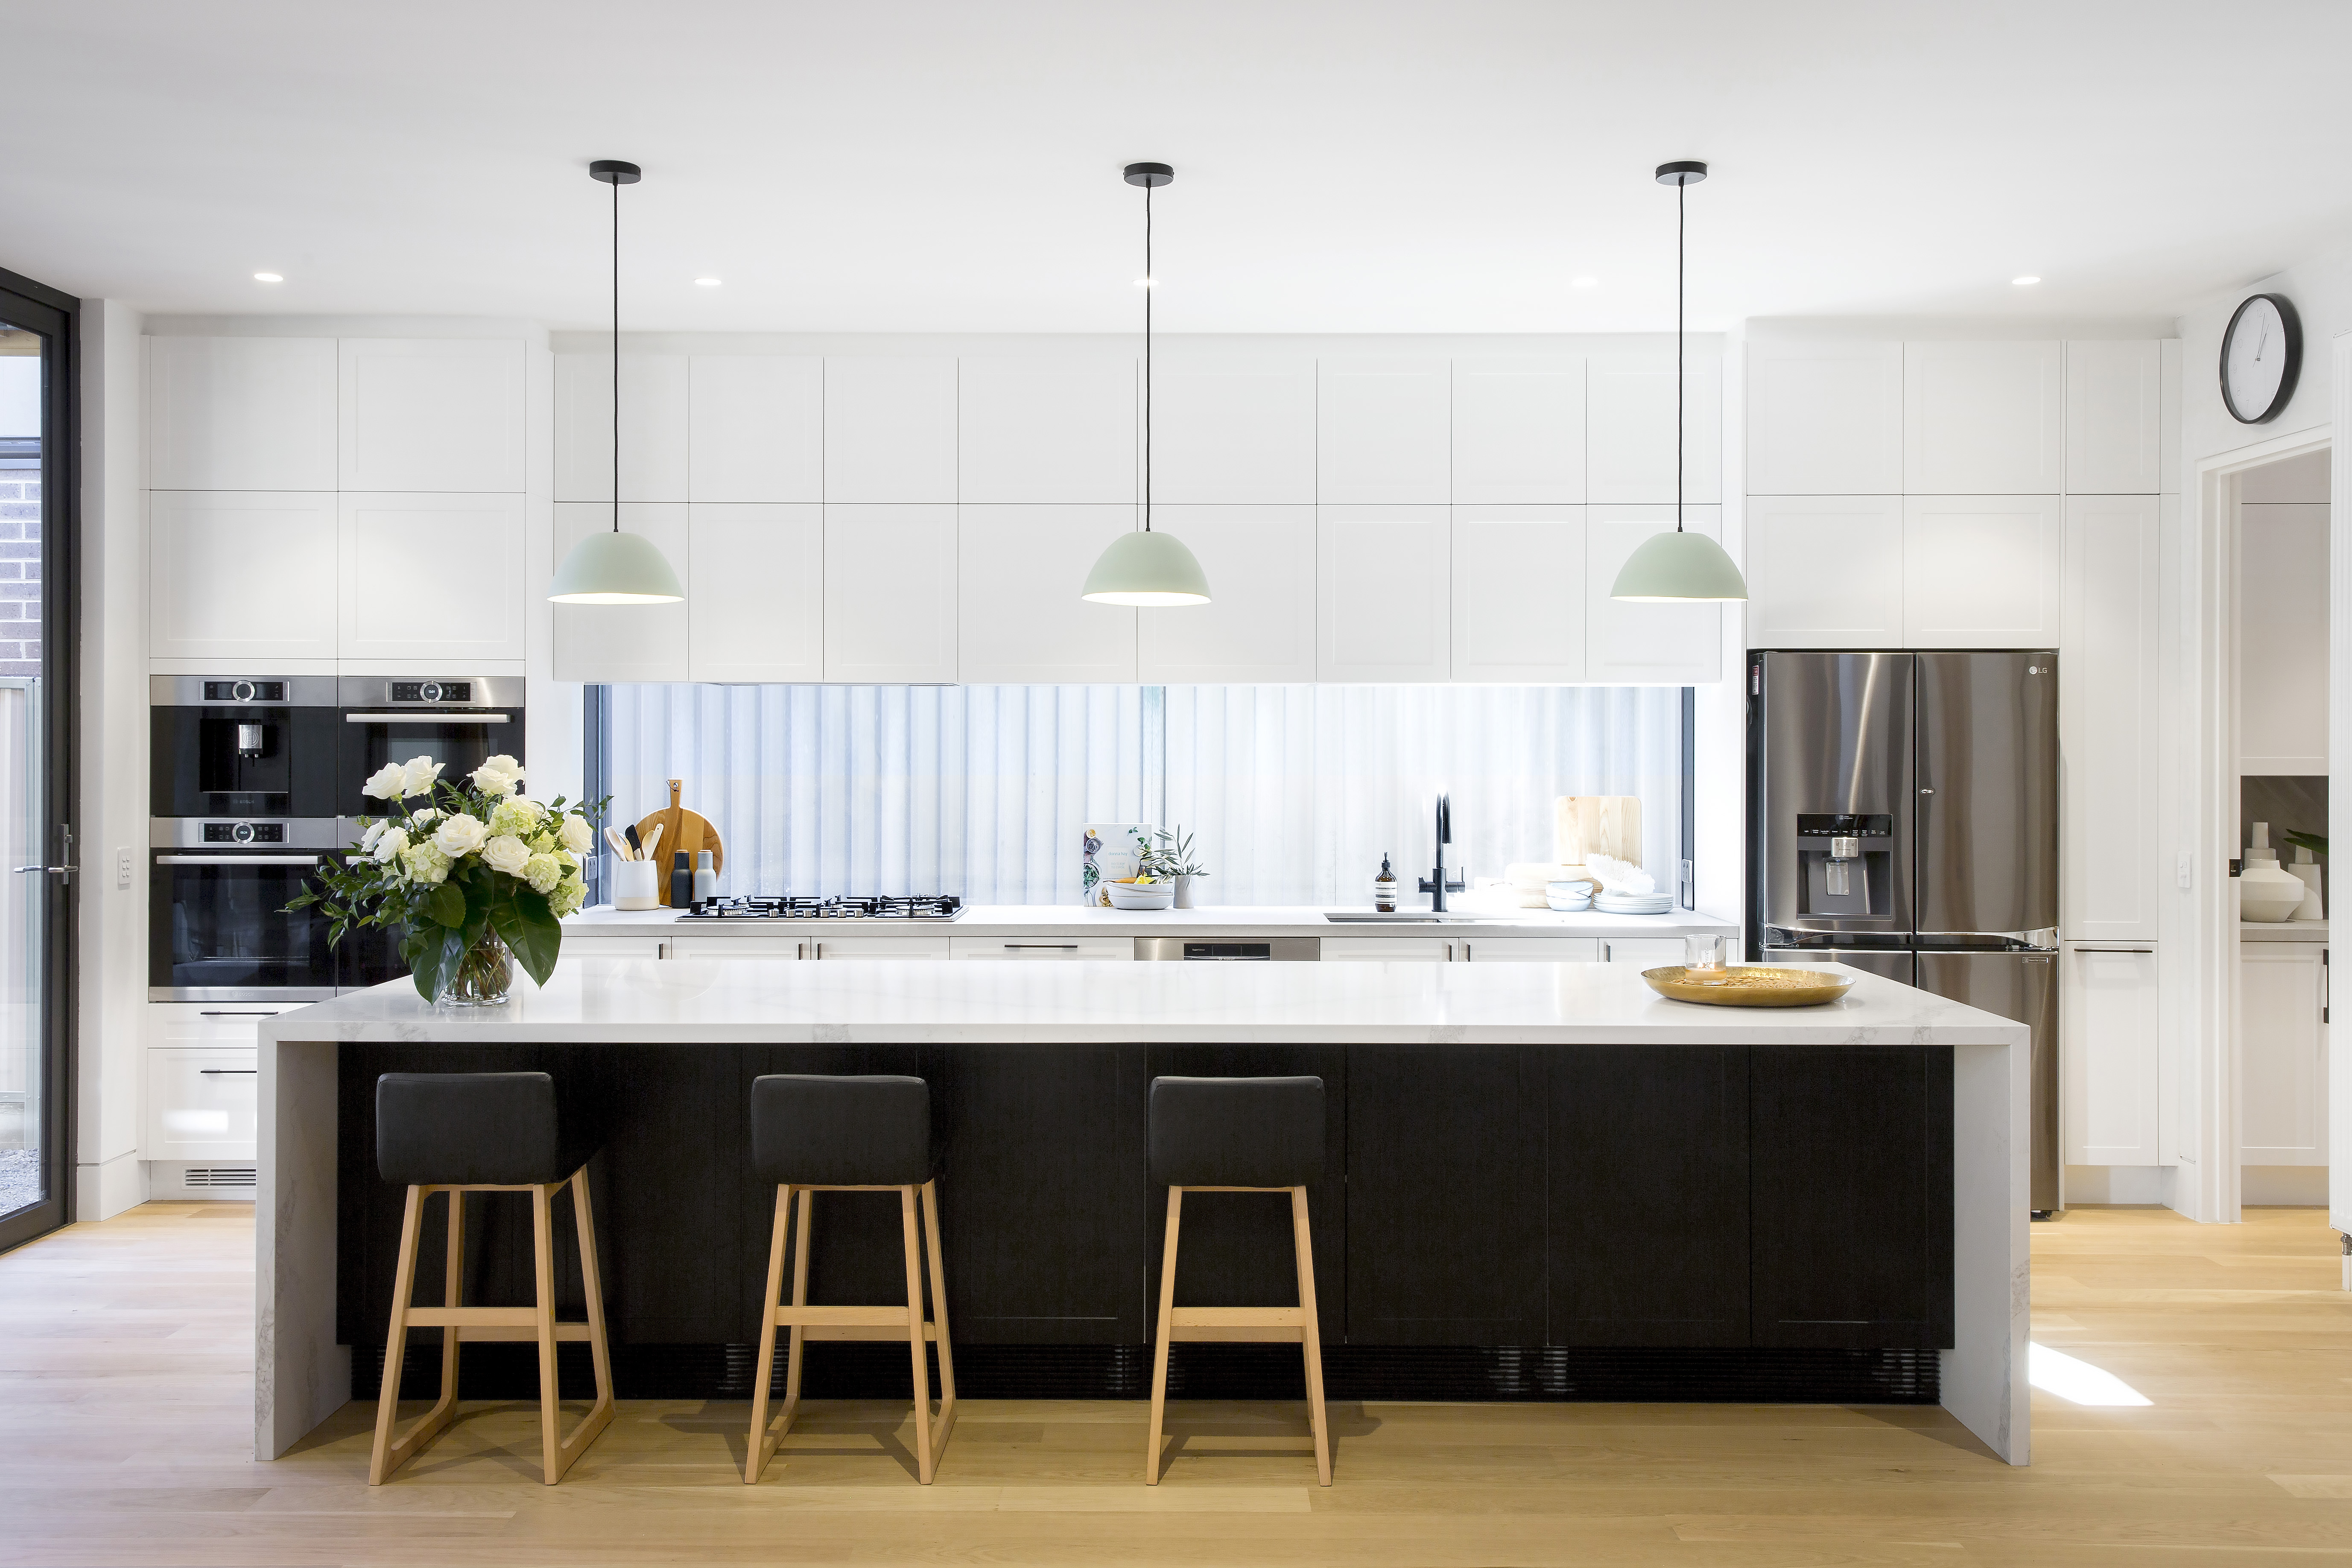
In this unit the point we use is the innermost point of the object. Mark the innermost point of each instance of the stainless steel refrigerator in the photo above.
(1903, 818)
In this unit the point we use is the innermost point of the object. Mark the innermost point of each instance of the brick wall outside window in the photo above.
(20, 574)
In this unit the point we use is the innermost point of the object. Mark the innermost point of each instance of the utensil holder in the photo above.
(636, 884)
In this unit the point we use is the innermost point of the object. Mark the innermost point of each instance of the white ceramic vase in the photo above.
(1183, 892)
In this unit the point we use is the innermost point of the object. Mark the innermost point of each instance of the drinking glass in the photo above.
(1703, 953)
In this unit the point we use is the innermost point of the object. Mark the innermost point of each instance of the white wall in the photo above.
(112, 981)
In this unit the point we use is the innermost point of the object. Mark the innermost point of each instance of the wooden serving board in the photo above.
(1588, 825)
(681, 829)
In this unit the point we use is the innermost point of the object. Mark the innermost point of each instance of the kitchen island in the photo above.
(1543, 1180)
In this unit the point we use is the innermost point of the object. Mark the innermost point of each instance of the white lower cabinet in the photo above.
(1531, 949)
(2282, 1053)
(732, 947)
(203, 1102)
(861, 944)
(1043, 948)
(1648, 952)
(1386, 949)
(2108, 1061)
(586, 946)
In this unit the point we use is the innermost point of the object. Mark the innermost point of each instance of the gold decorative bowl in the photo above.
(1750, 985)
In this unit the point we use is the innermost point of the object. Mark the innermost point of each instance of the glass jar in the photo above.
(484, 978)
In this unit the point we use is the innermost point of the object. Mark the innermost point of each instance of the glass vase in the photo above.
(484, 976)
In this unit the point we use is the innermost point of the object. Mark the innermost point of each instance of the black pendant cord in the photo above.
(1151, 286)
(616, 356)
(1682, 188)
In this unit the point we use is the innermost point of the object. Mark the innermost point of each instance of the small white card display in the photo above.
(1110, 855)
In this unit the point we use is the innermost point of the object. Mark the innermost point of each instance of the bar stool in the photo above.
(486, 1132)
(1239, 1135)
(814, 1134)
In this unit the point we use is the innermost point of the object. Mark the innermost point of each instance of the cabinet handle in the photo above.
(426, 717)
(1465, 953)
(1041, 947)
(265, 1014)
(228, 1072)
(232, 861)
(816, 950)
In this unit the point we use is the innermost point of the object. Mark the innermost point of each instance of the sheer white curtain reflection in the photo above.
(1292, 792)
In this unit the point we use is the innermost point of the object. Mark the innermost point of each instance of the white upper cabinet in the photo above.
(1018, 614)
(2108, 717)
(1237, 429)
(1519, 593)
(1629, 425)
(1384, 431)
(399, 598)
(241, 413)
(2167, 429)
(889, 429)
(432, 413)
(2115, 395)
(1046, 429)
(1826, 572)
(1980, 571)
(1983, 419)
(756, 427)
(1382, 609)
(2109, 1068)
(1259, 624)
(2283, 570)
(1824, 419)
(241, 575)
(657, 399)
(1518, 431)
(597, 643)
(1645, 645)
(757, 589)
(890, 593)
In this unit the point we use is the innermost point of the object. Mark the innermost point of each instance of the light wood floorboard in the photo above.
(126, 1409)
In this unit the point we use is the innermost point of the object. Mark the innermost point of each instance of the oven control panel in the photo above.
(244, 833)
(457, 691)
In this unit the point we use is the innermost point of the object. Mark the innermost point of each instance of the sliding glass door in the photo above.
(36, 880)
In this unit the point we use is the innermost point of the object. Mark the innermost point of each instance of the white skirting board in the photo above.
(106, 1189)
(2130, 1186)
(2299, 1186)
(230, 1181)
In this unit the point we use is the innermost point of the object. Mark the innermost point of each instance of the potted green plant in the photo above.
(475, 879)
(1169, 854)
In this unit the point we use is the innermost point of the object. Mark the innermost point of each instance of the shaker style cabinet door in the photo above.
(1824, 419)
(889, 429)
(1518, 431)
(241, 413)
(432, 413)
(2107, 1055)
(399, 598)
(1645, 645)
(657, 401)
(2282, 1053)
(1382, 612)
(1519, 593)
(241, 575)
(598, 643)
(1259, 625)
(1018, 614)
(2281, 676)
(1233, 429)
(1983, 419)
(758, 592)
(1629, 425)
(1980, 571)
(2108, 722)
(755, 427)
(1046, 429)
(2114, 398)
(1384, 431)
(203, 1103)
(890, 593)
(1826, 572)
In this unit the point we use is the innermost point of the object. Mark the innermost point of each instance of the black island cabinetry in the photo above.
(1591, 1221)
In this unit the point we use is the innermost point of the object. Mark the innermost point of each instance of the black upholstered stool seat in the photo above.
(1239, 1135)
(500, 1131)
(813, 1133)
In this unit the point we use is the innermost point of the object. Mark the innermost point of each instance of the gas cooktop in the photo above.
(938, 907)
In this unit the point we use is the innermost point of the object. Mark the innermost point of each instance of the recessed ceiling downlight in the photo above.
(2027, 281)
(268, 278)
(1584, 282)
(706, 283)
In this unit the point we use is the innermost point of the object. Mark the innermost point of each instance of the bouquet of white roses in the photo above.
(468, 875)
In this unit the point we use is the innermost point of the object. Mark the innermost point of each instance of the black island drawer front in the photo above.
(1851, 1152)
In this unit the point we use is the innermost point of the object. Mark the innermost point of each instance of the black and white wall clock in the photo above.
(2261, 355)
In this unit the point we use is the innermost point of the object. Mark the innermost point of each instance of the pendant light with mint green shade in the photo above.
(1680, 567)
(1146, 568)
(615, 568)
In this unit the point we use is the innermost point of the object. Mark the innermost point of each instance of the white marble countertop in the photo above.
(774, 1001)
(1236, 922)
(2283, 930)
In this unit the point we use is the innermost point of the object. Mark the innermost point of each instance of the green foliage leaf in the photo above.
(447, 905)
(532, 932)
(433, 958)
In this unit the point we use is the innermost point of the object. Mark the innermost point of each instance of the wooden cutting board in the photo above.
(1588, 825)
(681, 829)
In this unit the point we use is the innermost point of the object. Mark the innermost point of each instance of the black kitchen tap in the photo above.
(1438, 888)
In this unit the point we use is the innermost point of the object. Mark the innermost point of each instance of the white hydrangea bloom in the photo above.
(426, 862)
(569, 895)
(543, 873)
(518, 815)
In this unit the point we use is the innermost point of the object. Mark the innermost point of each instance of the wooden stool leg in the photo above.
(381, 1463)
(939, 1315)
(798, 1339)
(756, 1448)
(1160, 1355)
(453, 1294)
(542, 1268)
(1311, 1335)
(600, 1415)
(920, 1357)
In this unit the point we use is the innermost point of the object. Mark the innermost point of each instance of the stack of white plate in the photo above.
(1568, 896)
(1612, 903)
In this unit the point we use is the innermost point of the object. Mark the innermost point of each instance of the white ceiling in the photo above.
(1366, 166)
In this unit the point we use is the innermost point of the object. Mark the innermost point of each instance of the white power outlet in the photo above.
(123, 868)
(2184, 872)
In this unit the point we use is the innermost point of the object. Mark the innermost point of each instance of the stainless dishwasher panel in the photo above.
(1190, 950)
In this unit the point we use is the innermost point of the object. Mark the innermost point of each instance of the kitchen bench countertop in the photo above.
(1238, 923)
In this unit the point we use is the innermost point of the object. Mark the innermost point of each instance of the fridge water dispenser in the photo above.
(1845, 864)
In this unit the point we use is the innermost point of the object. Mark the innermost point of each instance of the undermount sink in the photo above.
(1417, 917)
